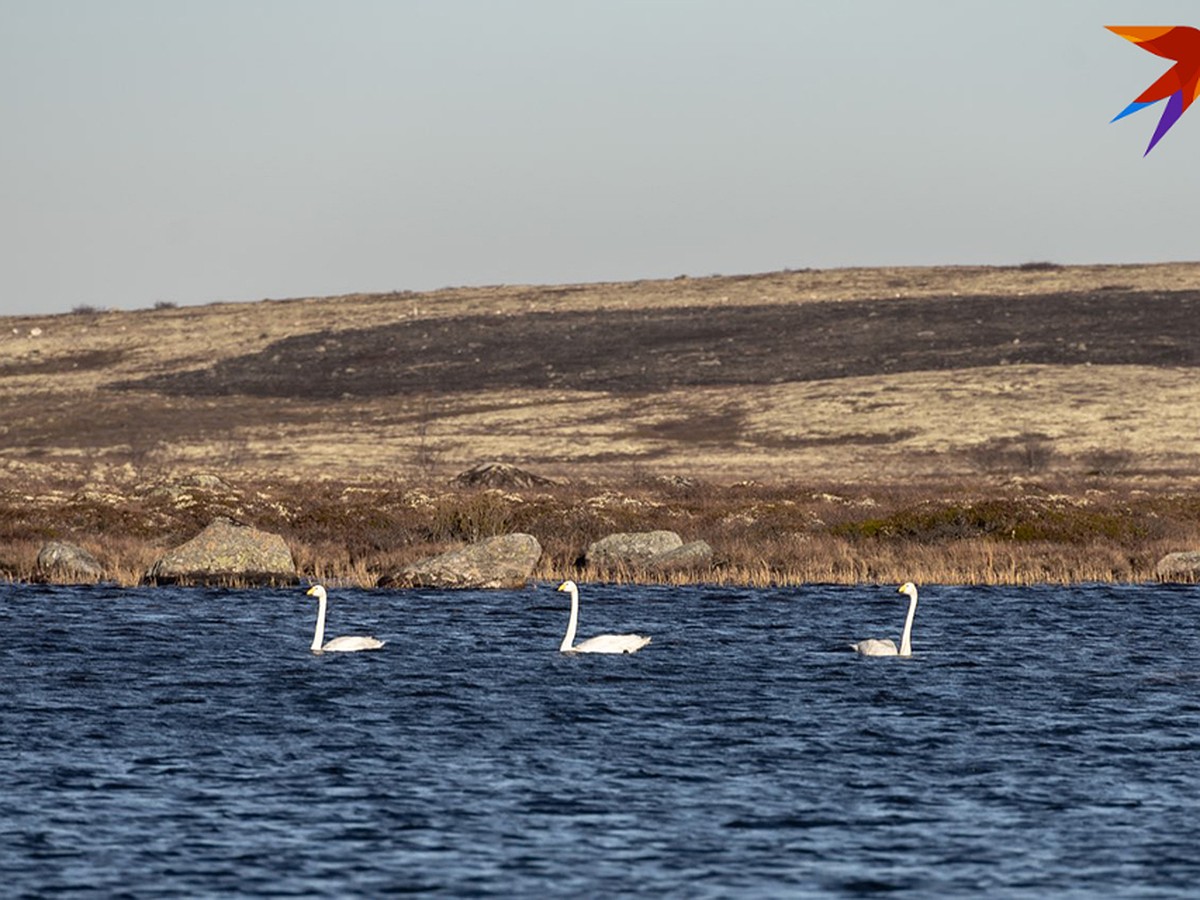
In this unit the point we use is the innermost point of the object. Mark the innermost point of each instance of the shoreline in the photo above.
(1023, 531)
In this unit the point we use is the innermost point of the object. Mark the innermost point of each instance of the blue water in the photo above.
(179, 743)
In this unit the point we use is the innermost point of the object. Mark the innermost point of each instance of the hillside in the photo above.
(836, 376)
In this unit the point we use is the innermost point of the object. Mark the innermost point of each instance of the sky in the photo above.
(195, 151)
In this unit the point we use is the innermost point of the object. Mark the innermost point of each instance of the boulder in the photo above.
(499, 475)
(505, 561)
(631, 549)
(227, 553)
(692, 555)
(1181, 566)
(64, 563)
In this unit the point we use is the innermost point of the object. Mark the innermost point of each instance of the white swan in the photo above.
(885, 646)
(601, 643)
(346, 644)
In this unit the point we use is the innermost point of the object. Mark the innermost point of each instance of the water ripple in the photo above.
(1040, 742)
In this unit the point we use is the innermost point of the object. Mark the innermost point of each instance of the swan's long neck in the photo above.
(569, 638)
(319, 634)
(906, 637)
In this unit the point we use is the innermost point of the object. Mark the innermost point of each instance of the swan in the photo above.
(601, 643)
(885, 646)
(346, 644)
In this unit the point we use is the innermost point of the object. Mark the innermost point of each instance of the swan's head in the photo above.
(316, 591)
(909, 588)
(568, 586)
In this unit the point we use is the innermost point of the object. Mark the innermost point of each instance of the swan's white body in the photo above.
(601, 643)
(886, 647)
(347, 644)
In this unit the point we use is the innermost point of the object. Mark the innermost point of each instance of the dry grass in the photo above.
(839, 375)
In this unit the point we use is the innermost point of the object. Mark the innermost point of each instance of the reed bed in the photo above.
(763, 535)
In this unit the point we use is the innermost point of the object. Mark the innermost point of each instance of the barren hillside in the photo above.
(839, 376)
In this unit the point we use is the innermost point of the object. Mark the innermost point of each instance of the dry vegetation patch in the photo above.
(762, 534)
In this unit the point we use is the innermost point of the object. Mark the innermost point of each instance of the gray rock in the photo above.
(1181, 566)
(693, 555)
(65, 563)
(499, 475)
(631, 549)
(506, 561)
(226, 553)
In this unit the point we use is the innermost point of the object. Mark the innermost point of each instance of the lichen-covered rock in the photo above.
(505, 561)
(226, 553)
(1181, 566)
(693, 555)
(631, 549)
(65, 563)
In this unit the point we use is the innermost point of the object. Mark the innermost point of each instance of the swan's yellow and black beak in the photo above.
(312, 591)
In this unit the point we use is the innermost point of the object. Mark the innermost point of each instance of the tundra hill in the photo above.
(840, 376)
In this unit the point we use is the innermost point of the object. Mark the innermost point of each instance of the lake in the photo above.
(165, 742)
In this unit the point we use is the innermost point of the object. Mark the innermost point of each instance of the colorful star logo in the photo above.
(1179, 85)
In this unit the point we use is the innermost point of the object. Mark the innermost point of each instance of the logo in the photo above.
(1179, 85)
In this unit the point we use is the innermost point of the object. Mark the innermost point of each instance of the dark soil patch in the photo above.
(650, 350)
(141, 423)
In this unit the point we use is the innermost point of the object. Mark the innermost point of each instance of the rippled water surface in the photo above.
(164, 742)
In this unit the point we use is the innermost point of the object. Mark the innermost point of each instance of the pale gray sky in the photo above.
(190, 152)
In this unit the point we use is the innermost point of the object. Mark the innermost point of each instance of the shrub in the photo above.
(1029, 453)
(1108, 462)
(471, 516)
